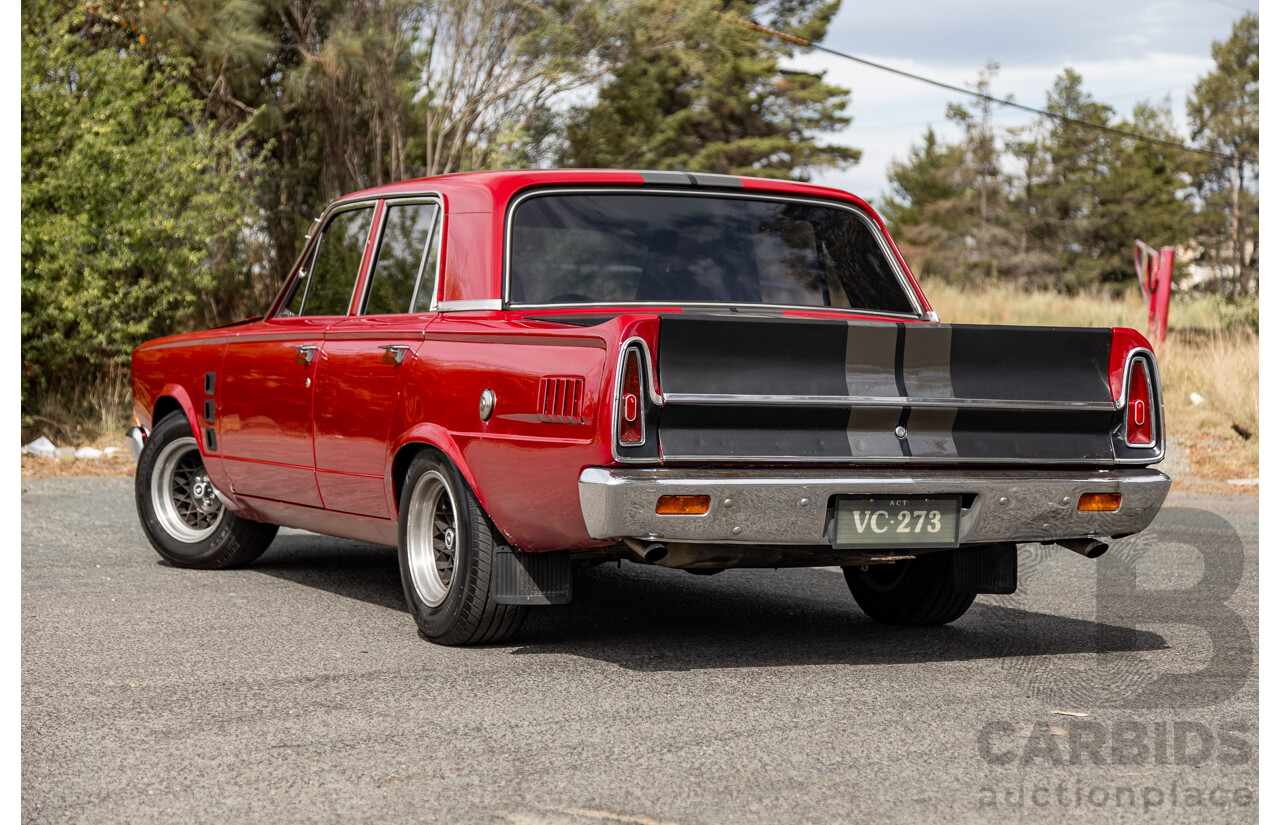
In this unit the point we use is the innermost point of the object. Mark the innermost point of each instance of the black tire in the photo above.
(914, 592)
(455, 605)
(180, 516)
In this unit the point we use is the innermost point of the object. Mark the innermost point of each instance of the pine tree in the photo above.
(1223, 110)
(1141, 195)
(704, 93)
(925, 209)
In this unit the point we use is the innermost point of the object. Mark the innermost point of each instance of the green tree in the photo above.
(982, 153)
(1078, 161)
(340, 95)
(319, 92)
(951, 202)
(1141, 196)
(1057, 203)
(1223, 112)
(131, 205)
(702, 92)
(925, 209)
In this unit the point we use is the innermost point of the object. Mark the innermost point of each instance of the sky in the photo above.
(1125, 50)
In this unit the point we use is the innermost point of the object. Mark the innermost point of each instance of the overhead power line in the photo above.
(800, 41)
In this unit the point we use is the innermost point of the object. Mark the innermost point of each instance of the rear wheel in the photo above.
(917, 591)
(447, 550)
(181, 515)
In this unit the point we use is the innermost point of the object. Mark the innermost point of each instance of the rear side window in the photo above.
(664, 248)
(403, 277)
(326, 287)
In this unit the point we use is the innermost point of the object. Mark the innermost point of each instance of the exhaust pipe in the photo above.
(649, 553)
(1089, 548)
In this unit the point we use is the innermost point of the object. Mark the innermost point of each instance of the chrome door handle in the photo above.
(306, 353)
(394, 352)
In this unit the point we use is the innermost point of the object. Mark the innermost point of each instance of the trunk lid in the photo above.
(807, 390)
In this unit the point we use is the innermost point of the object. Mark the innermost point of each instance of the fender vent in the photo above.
(560, 400)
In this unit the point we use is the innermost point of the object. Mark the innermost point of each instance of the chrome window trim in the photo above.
(436, 241)
(470, 305)
(310, 253)
(1153, 380)
(408, 200)
(647, 373)
(899, 273)
(294, 269)
(886, 401)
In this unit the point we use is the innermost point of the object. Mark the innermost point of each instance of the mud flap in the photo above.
(531, 578)
(987, 568)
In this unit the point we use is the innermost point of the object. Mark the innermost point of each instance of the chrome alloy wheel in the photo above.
(181, 494)
(432, 537)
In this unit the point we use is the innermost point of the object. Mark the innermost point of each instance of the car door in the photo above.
(364, 360)
(269, 369)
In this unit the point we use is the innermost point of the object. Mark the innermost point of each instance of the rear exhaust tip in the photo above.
(1089, 548)
(649, 552)
(654, 552)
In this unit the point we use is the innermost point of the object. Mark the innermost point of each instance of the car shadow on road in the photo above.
(653, 619)
(656, 619)
(365, 572)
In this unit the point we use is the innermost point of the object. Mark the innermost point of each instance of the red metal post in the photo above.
(1160, 298)
(1145, 260)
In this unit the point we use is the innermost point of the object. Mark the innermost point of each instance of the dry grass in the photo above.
(81, 413)
(119, 465)
(1207, 352)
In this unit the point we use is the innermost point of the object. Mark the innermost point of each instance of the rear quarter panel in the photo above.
(523, 468)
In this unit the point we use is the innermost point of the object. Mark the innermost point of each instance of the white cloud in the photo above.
(1124, 52)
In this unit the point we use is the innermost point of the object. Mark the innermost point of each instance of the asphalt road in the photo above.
(296, 690)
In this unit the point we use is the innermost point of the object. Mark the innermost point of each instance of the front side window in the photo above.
(677, 249)
(404, 274)
(326, 286)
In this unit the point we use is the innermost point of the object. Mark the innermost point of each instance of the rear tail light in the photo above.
(1140, 416)
(631, 402)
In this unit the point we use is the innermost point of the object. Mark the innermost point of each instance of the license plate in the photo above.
(897, 522)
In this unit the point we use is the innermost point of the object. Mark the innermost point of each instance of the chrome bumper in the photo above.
(137, 437)
(793, 506)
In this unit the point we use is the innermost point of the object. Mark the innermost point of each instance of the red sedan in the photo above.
(506, 374)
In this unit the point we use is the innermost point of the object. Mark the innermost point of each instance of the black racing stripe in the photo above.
(1033, 435)
(764, 432)
(666, 178)
(900, 377)
(1030, 363)
(868, 360)
(712, 179)
(700, 354)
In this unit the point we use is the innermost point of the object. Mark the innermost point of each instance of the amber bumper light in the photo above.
(683, 505)
(1099, 503)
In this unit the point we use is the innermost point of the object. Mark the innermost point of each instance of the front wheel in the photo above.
(917, 591)
(180, 514)
(447, 550)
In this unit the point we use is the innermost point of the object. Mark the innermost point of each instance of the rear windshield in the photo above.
(679, 249)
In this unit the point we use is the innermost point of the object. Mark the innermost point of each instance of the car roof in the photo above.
(485, 191)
